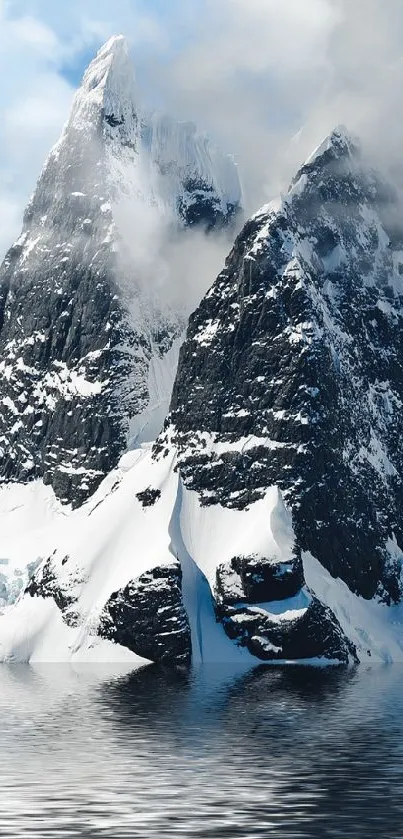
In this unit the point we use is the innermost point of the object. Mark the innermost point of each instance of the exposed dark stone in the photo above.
(149, 496)
(46, 583)
(264, 607)
(314, 634)
(258, 580)
(55, 334)
(149, 618)
(199, 207)
(113, 121)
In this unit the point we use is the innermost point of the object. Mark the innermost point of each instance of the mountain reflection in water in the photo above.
(295, 752)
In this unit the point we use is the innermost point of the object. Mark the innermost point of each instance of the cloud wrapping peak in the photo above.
(253, 73)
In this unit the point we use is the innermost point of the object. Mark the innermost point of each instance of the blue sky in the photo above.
(253, 73)
(44, 49)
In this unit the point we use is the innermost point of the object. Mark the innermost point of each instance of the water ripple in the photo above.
(285, 753)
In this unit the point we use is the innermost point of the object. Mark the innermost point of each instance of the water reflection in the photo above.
(273, 752)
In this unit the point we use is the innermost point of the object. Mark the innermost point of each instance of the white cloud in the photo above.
(31, 33)
(260, 36)
(33, 105)
(35, 96)
(257, 71)
(252, 72)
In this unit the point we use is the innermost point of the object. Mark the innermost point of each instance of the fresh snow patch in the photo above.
(214, 534)
(374, 628)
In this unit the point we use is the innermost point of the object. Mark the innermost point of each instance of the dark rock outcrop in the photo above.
(310, 633)
(149, 496)
(149, 618)
(45, 582)
(258, 580)
(264, 606)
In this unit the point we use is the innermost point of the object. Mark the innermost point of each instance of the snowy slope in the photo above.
(110, 541)
(113, 539)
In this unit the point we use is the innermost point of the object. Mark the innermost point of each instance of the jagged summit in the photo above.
(116, 45)
(108, 90)
(340, 151)
(339, 143)
(113, 59)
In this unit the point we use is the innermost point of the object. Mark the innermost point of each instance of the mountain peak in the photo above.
(339, 143)
(84, 227)
(108, 84)
(111, 64)
(116, 44)
(339, 151)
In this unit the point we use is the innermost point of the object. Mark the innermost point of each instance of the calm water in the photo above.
(282, 753)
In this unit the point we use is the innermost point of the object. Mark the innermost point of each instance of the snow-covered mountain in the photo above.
(292, 372)
(89, 329)
(265, 523)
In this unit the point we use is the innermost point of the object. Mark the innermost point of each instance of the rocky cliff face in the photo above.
(292, 371)
(88, 342)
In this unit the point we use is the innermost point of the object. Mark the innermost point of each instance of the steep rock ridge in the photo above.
(88, 343)
(292, 371)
